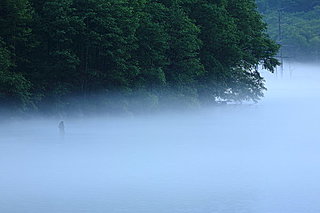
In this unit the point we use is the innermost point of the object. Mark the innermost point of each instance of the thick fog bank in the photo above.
(240, 158)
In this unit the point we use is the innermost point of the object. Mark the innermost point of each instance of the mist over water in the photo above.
(261, 157)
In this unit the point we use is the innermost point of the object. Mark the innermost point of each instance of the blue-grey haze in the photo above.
(249, 158)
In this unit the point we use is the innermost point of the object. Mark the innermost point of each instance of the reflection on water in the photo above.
(248, 158)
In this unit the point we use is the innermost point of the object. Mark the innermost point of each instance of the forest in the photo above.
(118, 55)
(295, 25)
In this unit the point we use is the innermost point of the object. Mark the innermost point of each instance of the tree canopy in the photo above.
(57, 55)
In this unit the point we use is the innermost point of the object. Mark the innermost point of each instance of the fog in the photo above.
(262, 157)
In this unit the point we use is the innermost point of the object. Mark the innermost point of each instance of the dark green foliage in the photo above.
(15, 15)
(14, 88)
(234, 43)
(112, 55)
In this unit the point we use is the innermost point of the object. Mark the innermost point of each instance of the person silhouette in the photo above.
(61, 129)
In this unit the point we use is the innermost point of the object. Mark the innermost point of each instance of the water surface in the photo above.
(261, 157)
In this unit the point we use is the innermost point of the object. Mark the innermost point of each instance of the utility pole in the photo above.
(280, 39)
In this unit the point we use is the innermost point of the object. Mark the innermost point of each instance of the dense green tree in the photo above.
(15, 17)
(153, 44)
(68, 54)
(234, 43)
(184, 45)
(14, 88)
(85, 48)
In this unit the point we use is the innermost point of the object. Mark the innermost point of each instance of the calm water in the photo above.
(262, 158)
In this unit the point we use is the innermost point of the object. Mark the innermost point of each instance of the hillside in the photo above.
(295, 24)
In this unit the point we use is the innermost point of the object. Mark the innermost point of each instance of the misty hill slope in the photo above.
(295, 24)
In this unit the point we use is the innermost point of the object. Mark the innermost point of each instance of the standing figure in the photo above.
(61, 129)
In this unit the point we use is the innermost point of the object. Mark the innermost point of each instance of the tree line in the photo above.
(58, 55)
(295, 24)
